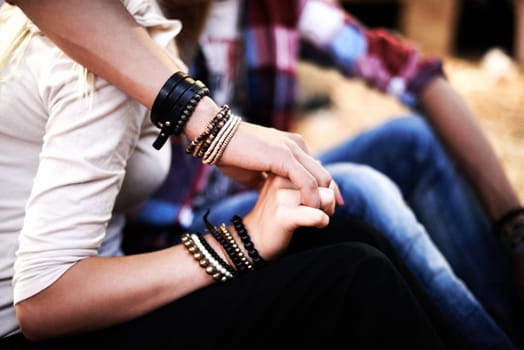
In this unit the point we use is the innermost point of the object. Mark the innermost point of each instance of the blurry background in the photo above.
(482, 43)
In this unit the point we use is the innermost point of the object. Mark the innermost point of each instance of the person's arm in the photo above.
(393, 65)
(453, 121)
(97, 292)
(102, 36)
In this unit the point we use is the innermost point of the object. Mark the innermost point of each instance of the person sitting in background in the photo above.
(247, 55)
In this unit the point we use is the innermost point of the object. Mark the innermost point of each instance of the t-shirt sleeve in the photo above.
(89, 139)
(86, 145)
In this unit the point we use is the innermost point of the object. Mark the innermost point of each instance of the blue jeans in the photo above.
(429, 214)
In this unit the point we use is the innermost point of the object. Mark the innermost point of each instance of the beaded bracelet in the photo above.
(211, 144)
(220, 142)
(231, 240)
(232, 250)
(175, 104)
(211, 269)
(187, 103)
(199, 145)
(258, 261)
(211, 255)
(214, 254)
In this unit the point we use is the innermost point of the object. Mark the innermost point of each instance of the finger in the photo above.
(299, 140)
(308, 174)
(338, 195)
(333, 185)
(305, 182)
(309, 217)
(280, 181)
(327, 200)
(314, 167)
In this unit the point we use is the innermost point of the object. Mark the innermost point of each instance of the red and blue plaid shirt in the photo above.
(270, 32)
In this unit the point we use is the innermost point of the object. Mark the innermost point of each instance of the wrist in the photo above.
(176, 103)
(205, 110)
(252, 226)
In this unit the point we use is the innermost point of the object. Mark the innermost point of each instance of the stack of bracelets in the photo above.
(210, 145)
(175, 104)
(208, 258)
(173, 107)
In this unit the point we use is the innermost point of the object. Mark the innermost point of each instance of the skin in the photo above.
(145, 70)
(78, 301)
(303, 195)
(453, 121)
(304, 185)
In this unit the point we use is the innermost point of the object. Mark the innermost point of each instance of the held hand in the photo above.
(281, 153)
(255, 180)
(278, 212)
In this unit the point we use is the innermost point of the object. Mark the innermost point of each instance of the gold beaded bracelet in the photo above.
(229, 237)
(204, 259)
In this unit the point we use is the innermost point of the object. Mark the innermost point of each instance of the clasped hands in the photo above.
(294, 188)
(256, 151)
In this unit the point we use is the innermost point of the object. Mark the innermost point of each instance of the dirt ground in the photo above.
(492, 86)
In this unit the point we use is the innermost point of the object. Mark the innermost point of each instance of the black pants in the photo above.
(344, 294)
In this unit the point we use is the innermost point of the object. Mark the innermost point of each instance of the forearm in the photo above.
(98, 292)
(102, 36)
(112, 45)
(469, 146)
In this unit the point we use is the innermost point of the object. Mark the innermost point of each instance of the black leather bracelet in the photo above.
(175, 104)
(160, 106)
(191, 96)
(189, 108)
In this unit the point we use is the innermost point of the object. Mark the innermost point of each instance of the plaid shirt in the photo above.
(266, 54)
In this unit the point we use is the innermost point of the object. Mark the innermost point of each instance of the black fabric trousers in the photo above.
(325, 292)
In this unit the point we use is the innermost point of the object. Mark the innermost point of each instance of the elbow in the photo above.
(33, 320)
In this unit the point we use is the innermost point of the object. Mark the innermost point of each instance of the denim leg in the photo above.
(407, 151)
(373, 198)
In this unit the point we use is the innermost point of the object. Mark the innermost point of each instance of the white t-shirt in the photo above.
(63, 158)
(219, 43)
